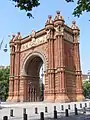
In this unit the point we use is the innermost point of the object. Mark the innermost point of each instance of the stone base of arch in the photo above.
(62, 98)
(80, 97)
(49, 98)
(9, 98)
(15, 99)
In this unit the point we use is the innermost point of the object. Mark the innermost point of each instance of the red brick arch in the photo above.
(57, 46)
(35, 53)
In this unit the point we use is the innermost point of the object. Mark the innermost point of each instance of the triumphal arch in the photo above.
(57, 47)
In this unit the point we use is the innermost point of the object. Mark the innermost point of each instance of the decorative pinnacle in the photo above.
(49, 17)
(49, 20)
(58, 12)
(58, 16)
(74, 22)
(18, 33)
(13, 36)
(74, 26)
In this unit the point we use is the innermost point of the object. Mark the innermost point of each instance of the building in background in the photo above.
(3, 67)
(86, 77)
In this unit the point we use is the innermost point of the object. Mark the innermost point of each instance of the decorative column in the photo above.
(60, 82)
(76, 32)
(50, 95)
(17, 68)
(12, 62)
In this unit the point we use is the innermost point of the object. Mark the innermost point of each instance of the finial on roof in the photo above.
(33, 33)
(49, 20)
(74, 26)
(58, 16)
(18, 35)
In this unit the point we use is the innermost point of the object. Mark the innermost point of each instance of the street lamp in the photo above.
(1, 43)
(3, 48)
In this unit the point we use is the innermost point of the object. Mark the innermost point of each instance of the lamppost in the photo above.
(2, 48)
(5, 48)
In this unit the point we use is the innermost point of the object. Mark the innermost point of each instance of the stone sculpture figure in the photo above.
(48, 34)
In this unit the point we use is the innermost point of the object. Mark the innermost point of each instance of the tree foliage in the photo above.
(82, 6)
(86, 89)
(4, 83)
(28, 5)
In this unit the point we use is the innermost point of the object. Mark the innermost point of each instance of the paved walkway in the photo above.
(30, 110)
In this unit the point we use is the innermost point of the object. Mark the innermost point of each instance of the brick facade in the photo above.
(57, 47)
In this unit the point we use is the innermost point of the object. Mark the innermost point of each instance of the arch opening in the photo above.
(34, 68)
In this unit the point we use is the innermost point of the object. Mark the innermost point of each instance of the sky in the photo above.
(12, 20)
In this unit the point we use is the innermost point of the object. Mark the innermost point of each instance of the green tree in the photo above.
(28, 5)
(86, 89)
(4, 83)
(82, 6)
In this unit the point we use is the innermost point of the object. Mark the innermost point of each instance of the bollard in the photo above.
(24, 116)
(85, 104)
(24, 111)
(42, 116)
(5, 118)
(62, 108)
(11, 113)
(76, 112)
(54, 107)
(66, 112)
(75, 106)
(80, 105)
(36, 111)
(55, 114)
(69, 107)
(46, 110)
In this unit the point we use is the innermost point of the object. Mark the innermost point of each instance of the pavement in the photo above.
(30, 110)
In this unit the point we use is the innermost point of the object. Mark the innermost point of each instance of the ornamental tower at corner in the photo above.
(57, 47)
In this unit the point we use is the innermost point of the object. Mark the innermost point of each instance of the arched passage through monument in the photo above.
(33, 66)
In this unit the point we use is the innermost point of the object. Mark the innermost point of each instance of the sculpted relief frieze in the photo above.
(68, 37)
(34, 42)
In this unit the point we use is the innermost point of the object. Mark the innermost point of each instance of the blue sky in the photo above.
(13, 20)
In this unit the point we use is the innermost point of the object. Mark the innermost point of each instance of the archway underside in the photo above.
(32, 69)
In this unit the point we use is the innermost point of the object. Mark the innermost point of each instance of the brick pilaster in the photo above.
(76, 32)
(60, 83)
(12, 62)
(50, 71)
(17, 69)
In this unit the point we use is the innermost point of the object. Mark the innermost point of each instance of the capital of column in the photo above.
(24, 77)
(50, 71)
(61, 69)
